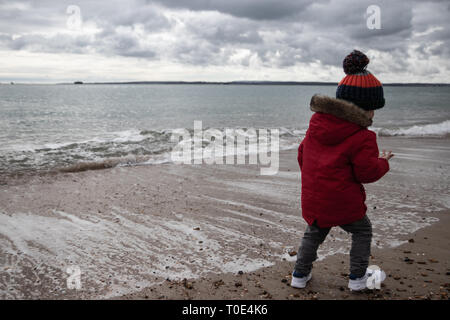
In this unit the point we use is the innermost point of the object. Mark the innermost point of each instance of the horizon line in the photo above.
(236, 82)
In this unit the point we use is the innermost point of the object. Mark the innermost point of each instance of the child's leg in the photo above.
(307, 253)
(361, 231)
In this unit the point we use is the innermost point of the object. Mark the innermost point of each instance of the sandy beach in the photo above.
(137, 232)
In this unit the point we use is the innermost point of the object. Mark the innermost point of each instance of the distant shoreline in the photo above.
(280, 83)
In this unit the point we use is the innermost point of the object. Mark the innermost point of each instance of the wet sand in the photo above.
(419, 269)
(137, 232)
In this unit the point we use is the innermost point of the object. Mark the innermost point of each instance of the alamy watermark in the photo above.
(373, 17)
(74, 20)
(228, 146)
(74, 279)
(375, 277)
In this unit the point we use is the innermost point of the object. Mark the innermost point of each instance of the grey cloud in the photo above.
(280, 34)
(24, 17)
(61, 43)
(33, 22)
(123, 45)
(196, 54)
(228, 31)
(55, 44)
(252, 9)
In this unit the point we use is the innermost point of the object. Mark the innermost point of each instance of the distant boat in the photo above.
(78, 82)
(12, 82)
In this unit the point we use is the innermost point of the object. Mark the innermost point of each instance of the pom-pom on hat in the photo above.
(360, 86)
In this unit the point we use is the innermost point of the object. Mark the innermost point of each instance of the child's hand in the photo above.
(387, 156)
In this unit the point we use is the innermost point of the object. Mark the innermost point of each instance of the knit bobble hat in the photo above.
(359, 85)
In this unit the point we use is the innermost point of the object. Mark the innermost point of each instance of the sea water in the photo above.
(43, 127)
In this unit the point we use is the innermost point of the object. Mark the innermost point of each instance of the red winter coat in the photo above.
(337, 155)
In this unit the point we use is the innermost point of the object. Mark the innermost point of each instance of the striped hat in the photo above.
(359, 85)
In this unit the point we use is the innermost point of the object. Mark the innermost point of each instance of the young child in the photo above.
(338, 155)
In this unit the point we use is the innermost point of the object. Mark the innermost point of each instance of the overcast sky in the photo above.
(221, 40)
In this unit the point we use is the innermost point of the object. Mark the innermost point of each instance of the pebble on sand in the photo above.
(433, 260)
(187, 285)
(218, 283)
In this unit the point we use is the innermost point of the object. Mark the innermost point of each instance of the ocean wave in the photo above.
(441, 129)
(125, 161)
(144, 147)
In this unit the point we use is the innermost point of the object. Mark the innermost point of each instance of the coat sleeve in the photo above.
(300, 155)
(367, 166)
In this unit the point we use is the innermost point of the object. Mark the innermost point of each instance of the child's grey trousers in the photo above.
(361, 231)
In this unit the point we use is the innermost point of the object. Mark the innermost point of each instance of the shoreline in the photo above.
(23, 176)
(130, 228)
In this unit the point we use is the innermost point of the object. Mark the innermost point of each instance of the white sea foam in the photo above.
(128, 136)
(103, 245)
(117, 136)
(435, 129)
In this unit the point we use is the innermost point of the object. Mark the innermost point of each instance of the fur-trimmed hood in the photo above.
(340, 108)
(335, 120)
